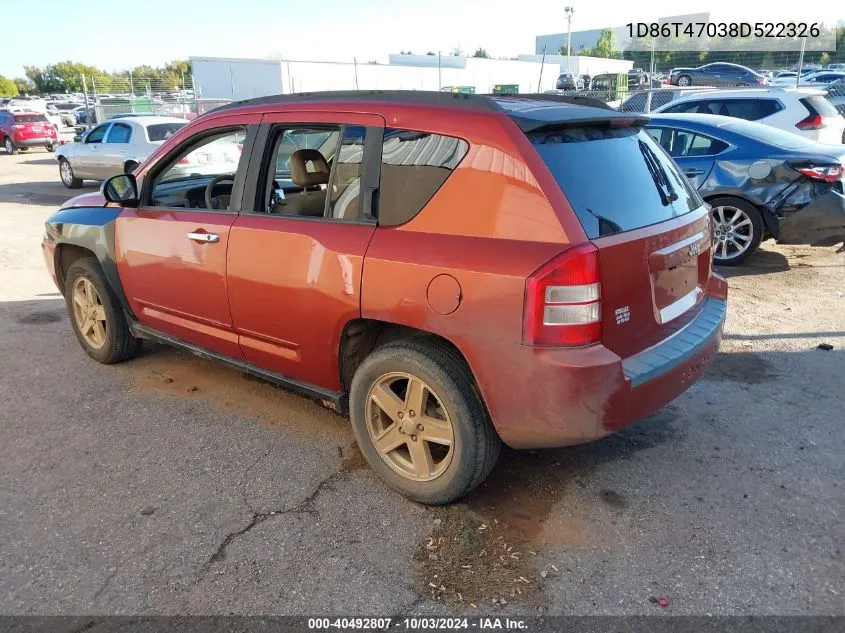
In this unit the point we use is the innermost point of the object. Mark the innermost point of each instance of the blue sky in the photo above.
(117, 35)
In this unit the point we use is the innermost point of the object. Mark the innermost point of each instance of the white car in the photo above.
(113, 147)
(803, 111)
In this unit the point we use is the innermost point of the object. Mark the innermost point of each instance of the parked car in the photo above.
(660, 97)
(598, 303)
(836, 96)
(814, 78)
(637, 78)
(22, 130)
(758, 180)
(569, 81)
(112, 148)
(803, 111)
(836, 67)
(716, 74)
(768, 74)
(65, 111)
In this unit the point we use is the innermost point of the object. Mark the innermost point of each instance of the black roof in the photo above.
(529, 111)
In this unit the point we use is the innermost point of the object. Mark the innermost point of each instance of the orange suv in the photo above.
(454, 271)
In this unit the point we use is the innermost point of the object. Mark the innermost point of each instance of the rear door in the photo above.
(296, 251)
(651, 228)
(694, 153)
(113, 150)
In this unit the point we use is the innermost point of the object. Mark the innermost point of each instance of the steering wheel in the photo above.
(209, 188)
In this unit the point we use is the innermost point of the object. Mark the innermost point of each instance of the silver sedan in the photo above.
(113, 147)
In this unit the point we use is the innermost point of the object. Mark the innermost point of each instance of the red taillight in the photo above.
(811, 122)
(825, 173)
(183, 161)
(563, 300)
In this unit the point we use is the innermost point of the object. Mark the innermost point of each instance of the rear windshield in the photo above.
(616, 179)
(821, 105)
(30, 118)
(163, 131)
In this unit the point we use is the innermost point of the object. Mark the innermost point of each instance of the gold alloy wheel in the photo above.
(89, 313)
(409, 426)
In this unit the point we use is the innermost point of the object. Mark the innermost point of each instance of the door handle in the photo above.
(211, 238)
(692, 171)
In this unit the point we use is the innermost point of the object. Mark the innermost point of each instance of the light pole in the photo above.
(569, 12)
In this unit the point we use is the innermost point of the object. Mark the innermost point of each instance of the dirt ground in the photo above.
(172, 485)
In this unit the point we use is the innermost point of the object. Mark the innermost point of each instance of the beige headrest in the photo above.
(318, 174)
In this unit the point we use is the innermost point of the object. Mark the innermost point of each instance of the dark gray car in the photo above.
(716, 74)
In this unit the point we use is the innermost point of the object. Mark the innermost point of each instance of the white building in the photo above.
(581, 65)
(236, 79)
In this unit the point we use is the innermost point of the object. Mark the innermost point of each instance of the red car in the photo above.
(454, 271)
(22, 130)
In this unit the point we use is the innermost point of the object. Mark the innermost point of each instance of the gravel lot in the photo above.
(170, 485)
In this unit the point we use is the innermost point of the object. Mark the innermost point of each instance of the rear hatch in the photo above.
(29, 126)
(649, 226)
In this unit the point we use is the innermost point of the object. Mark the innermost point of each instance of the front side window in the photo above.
(200, 175)
(98, 133)
(414, 165)
(119, 133)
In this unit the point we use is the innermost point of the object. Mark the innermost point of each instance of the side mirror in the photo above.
(122, 189)
(77, 138)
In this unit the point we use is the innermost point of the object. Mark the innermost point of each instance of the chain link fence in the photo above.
(113, 96)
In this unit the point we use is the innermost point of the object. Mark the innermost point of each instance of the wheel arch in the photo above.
(769, 221)
(86, 232)
(361, 336)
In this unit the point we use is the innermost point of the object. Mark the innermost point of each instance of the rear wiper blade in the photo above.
(659, 175)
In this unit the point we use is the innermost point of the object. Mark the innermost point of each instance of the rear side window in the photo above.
(414, 165)
(748, 109)
(616, 179)
(678, 143)
(30, 118)
(163, 131)
(817, 104)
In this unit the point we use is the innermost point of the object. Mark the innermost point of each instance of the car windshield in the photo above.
(162, 131)
(647, 186)
(769, 134)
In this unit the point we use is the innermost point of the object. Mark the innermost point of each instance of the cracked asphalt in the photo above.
(169, 485)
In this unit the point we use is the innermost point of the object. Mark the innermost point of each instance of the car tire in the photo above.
(51, 147)
(452, 407)
(96, 316)
(684, 81)
(66, 174)
(9, 146)
(736, 223)
(129, 166)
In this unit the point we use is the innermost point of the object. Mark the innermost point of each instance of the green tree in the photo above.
(605, 46)
(7, 87)
(481, 53)
(562, 49)
(24, 85)
(457, 52)
(430, 53)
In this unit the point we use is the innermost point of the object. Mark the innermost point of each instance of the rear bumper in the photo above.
(821, 221)
(545, 398)
(39, 141)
